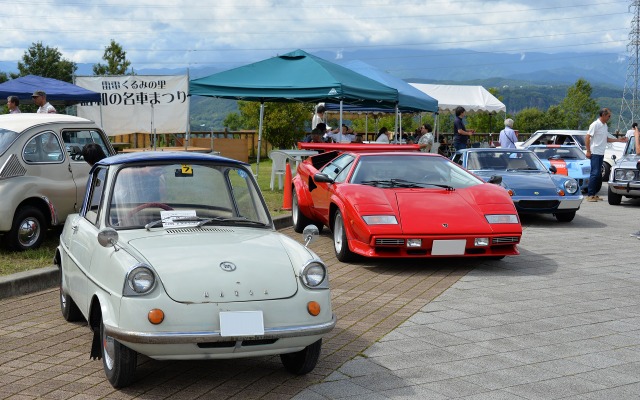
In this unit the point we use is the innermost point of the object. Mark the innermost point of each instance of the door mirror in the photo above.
(495, 179)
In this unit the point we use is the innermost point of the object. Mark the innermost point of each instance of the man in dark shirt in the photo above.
(460, 132)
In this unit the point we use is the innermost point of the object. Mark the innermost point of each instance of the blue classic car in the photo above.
(567, 160)
(533, 188)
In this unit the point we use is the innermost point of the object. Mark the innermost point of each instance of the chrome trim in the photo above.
(214, 336)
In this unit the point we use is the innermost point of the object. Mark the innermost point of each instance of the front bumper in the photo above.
(547, 204)
(628, 188)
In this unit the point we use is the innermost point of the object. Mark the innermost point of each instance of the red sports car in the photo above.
(403, 204)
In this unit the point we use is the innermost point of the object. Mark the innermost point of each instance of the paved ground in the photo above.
(562, 320)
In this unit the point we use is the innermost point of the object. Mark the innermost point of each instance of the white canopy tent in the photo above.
(472, 98)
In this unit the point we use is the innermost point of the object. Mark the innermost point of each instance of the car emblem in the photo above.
(536, 193)
(227, 266)
(445, 225)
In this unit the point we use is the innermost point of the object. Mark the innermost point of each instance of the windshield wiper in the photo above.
(404, 184)
(200, 221)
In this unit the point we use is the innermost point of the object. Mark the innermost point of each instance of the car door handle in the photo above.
(74, 228)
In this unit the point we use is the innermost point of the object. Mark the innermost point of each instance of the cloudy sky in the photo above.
(227, 33)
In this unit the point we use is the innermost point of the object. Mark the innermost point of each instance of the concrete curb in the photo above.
(48, 277)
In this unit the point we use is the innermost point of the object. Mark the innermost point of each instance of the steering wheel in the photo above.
(148, 205)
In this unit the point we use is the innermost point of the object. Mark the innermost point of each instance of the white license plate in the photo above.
(448, 247)
(241, 323)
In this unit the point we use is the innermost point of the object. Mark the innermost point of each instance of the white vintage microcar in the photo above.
(175, 256)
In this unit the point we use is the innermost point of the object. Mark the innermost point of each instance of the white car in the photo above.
(174, 255)
(576, 138)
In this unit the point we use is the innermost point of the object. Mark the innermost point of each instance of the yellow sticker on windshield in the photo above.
(187, 170)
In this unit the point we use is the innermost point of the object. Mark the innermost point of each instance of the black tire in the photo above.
(566, 216)
(69, 309)
(300, 221)
(606, 170)
(28, 229)
(119, 361)
(614, 198)
(303, 361)
(340, 243)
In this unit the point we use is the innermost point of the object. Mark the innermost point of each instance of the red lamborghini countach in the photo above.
(403, 204)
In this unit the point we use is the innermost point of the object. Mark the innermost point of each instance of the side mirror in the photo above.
(310, 234)
(320, 177)
(613, 157)
(553, 169)
(495, 179)
(108, 237)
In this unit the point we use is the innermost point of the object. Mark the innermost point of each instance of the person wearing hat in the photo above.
(40, 99)
(508, 137)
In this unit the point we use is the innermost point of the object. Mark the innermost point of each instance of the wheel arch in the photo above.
(43, 205)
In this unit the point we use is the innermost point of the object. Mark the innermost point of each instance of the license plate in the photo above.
(241, 323)
(448, 247)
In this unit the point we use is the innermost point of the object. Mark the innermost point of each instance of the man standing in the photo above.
(508, 136)
(596, 142)
(40, 99)
(12, 103)
(460, 132)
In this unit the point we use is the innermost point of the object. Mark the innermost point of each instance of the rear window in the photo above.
(6, 138)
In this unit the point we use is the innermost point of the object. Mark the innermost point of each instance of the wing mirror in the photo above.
(310, 234)
(613, 157)
(320, 177)
(553, 169)
(108, 237)
(495, 179)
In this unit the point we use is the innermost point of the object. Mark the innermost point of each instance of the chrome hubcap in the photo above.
(337, 233)
(29, 232)
(109, 350)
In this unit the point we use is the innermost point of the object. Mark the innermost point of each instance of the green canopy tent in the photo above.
(296, 76)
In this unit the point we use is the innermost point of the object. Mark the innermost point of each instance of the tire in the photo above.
(606, 170)
(28, 229)
(303, 361)
(119, 361)
(300, 221)
(69, 309)
(566, 217)
(340, 242)
(614, 198)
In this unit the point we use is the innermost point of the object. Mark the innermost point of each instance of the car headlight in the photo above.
(624, 174)
(380, 219)
(140, 280)
(571, 186)
(314, 275)
(502, 218)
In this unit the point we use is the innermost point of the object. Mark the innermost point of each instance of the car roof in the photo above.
(561, 132)
(165, 156)
(493, 150)
(21, 122)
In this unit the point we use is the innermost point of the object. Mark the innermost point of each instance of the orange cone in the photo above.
(286, 199)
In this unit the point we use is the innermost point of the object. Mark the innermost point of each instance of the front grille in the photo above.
(505, 239)
(538, 204)
(12, 167)
(195, 229)
(389, 242)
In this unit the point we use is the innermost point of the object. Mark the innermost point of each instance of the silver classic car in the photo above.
(174, 255)
(42, 173)
(625, 176)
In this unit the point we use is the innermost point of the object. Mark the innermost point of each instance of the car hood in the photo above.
(189, 264)
(525, 184)
(629, 161)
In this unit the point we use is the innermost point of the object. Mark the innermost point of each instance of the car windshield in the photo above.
(411, 171)
(504, 161)
(558, 153)
(6, 138)
(177, 194)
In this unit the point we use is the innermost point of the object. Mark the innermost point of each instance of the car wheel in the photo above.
(606, 170)
(70, 311)
(340, 243)
(28, 229)
(119, 361)
(300, 221)
(614, 198)
(566, 217)
(303, 361)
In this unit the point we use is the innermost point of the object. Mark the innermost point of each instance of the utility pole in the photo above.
(630, 107)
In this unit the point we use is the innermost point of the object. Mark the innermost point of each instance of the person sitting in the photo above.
(383, 135)
(345, 135)
(358, 138)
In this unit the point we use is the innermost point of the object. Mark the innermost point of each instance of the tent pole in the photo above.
(187, 132)
(395, 128)
(340, 125)
(260, 137)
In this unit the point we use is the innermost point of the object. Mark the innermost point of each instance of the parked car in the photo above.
(567, 160)
(402, 205)
(42, 173)
(572, 137)
(625, 176)
(174, 255)
(532, 187)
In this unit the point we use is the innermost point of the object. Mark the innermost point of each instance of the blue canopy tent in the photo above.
(57, 91)
(295, 76)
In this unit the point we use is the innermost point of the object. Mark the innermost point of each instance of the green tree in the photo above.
(45, 61)
(233, 121)
(3, 77)
(283, 123)
(578, 107)
(554, 119)
(485, 122)
(529, 120)
(116, 58)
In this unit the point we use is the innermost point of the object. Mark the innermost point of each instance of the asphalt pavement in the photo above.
(559, 321)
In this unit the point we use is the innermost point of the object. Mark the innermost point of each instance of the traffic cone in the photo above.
(286, 199)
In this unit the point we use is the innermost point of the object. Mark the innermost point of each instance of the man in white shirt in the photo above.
(345, 137)
(596, 142)
(40, 99)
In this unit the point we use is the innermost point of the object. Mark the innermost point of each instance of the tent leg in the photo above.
(260, 138)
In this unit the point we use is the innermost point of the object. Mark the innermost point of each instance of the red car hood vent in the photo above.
(439, 212)
(227, 265)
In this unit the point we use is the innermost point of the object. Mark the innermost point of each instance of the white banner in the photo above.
(137, 103)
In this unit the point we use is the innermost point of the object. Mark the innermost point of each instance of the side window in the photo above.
(74, 141)
(97, 189)
(336, 166)
(43, 148)
(457, 158)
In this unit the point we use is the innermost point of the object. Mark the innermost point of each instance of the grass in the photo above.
(12, 262)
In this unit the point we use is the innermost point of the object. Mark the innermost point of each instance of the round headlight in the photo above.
(314, 274)
(571, 186)
(141, 280)
(628, 175)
